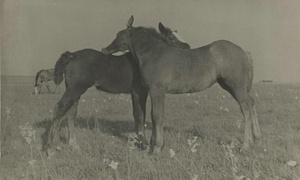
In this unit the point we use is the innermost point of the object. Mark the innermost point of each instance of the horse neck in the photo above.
(37, 77)
(50, 74)
(51, 71)
(144, 44)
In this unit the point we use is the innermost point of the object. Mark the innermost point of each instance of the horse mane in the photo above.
(37, 76)
(152, 31)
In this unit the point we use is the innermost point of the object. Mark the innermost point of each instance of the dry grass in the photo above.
(203, 133)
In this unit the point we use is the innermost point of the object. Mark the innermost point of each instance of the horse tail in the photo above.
(37, 77)
(249, 57)
(60, 67)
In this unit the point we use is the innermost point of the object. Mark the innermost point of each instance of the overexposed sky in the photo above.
(36, 32)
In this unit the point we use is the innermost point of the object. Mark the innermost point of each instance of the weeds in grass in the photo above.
(8, 112)
(114, 166)
(276, 158)
(30, 136)
(238, 123)
(224, 109)
(132, 141)
(172, 153)
(173, 156)
(233, 159)
(192, 143)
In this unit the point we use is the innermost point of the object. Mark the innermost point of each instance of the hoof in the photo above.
(258, 142)
(50, 152)
(244, 149)
(155, 151)
(257, 136)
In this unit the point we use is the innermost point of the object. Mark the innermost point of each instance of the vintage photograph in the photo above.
(150, 90)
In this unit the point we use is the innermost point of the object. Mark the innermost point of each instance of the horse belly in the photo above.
(192, 82)
(114, 83)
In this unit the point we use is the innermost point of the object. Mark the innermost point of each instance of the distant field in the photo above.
(204, 130)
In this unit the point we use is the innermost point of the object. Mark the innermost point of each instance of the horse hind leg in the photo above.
(60, 110)
(68, 102)
(241, 95)
(246, 108)
(255, 123)
(71, 114)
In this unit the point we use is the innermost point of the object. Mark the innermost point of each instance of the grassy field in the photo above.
(203, 134)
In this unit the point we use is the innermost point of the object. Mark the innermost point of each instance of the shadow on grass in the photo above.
(116, 128)
(112, 127)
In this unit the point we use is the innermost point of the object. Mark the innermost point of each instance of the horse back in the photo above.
(179, 70)
(231, 62)
(182, 71)
(90, 67)
(116, 75)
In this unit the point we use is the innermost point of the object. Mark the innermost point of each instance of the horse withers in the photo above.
(166, 69)
(113, 74)
(43, 77)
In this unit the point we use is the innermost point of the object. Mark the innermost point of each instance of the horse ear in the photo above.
(68, 54)
(161, 28)
(130, 21)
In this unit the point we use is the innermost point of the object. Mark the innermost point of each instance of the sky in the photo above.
(34, 33)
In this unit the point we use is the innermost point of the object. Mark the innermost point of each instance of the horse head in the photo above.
(122, 41)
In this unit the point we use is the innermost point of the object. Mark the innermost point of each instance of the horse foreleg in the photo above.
(73, 99)
(48, 88)
(37, 89)
(139, 99)
(157, 115)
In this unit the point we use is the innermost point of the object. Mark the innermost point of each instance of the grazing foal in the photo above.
(43, 77)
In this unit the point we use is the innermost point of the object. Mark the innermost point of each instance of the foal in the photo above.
(166, 69)
(43, 77)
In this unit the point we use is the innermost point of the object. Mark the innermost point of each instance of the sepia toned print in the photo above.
(100, 123)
